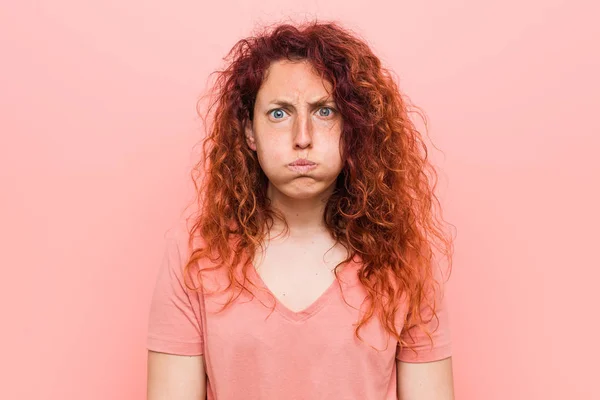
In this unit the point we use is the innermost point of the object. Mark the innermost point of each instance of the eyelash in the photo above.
(333, 110)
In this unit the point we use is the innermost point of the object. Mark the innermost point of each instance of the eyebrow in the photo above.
(318, 103)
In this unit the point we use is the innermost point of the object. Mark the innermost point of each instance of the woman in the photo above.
(308, 272)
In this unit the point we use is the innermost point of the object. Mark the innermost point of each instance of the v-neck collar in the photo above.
(298, 316)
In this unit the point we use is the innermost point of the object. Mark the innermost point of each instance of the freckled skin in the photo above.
(297, 269)
(280, 134)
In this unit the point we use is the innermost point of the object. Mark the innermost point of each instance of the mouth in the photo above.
(302, 167)
(302, 162)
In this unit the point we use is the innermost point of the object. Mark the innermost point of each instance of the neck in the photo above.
(304, 217)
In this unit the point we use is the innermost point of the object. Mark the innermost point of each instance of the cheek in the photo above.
(270, 154)
(334, 149)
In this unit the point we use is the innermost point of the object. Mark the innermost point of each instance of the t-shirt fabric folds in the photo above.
(259, 349)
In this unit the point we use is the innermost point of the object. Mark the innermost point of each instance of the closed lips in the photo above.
(302, 163)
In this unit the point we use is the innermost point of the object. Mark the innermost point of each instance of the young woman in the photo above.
(308, 271)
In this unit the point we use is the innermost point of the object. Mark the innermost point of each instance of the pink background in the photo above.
(98, 122)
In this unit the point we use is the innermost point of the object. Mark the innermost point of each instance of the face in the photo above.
(295, 117)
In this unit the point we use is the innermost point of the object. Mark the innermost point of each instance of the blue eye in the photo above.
(326, 108)
(277, 110)
(278, 113)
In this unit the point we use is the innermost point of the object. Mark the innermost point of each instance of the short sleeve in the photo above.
(174, 325)
(440, 333)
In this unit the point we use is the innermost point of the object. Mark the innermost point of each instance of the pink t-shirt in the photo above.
(254, 352)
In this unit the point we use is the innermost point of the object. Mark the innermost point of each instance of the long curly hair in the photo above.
(383, 207)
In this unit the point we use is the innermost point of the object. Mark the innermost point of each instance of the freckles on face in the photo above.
(295, 116)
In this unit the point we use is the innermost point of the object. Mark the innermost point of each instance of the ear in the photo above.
(249, 133)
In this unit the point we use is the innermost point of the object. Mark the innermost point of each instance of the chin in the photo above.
(300, 191)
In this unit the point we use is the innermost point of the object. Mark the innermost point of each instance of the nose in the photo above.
(303, 131)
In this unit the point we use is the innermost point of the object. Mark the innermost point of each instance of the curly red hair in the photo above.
(383, 207)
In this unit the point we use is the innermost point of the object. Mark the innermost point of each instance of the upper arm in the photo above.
(425, 380)
(175, 377)
(424, 367)
(175, 345)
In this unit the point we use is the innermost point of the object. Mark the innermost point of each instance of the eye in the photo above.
(278, 113)
(331, 111)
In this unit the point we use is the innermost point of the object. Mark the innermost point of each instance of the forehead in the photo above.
(292, 79)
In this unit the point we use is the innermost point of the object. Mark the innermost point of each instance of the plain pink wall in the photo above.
(98, 122)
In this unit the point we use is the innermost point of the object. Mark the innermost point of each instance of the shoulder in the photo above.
(177, 240)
